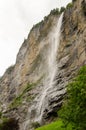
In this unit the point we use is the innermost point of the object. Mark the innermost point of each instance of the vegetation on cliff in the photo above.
(18, 100)
(9, 124)
(74, 107)
(55, 11)
(10, 69)
(25, 95)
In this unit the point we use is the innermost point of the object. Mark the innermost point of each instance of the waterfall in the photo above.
(43, 98)
(52, 68)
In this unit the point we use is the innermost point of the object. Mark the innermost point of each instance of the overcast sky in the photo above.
(16, 19)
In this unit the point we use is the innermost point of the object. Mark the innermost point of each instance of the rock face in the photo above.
(23, 82)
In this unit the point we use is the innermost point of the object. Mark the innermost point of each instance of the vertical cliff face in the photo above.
(23, 84)
(30, 59)
(72, 49)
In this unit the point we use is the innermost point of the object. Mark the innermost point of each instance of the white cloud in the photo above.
(16, 19)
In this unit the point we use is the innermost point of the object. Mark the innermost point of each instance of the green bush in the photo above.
(16, 102)
(74, 108)
(74, 0)
(35, 125)
(62, 9)
(10, 69)
(0, 114)
(84, 7)
(55, 11)
(9, 124)
(70, 5)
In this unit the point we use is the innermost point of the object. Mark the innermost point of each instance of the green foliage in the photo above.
(74, 107)
(57, 125)
(38, 24)
(62, 9)
(74, 0)
(18, 100)
(28, 87)
(4, 121)
(9, 70)
(0, 78)
(35, 125)
(0, 114)
(55, 11)
(69, 5)
(84, 7)
(9, 124)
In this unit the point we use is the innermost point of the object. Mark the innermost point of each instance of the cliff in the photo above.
(22, 85)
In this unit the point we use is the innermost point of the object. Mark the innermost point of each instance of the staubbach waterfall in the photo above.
(41, 101)
(32, 90)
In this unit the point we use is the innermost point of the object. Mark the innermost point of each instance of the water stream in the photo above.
(43, 99)
(52, 69)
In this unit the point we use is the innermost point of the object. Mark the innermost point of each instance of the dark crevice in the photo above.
(10, 124)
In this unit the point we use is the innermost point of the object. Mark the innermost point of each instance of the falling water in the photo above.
(43, 99)
(52, 68)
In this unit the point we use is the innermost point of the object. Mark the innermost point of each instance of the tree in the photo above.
(74, 108)
(69, 5)
(62, 9)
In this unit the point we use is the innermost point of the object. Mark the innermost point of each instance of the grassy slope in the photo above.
(58, 125)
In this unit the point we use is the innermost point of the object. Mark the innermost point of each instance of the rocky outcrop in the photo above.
(72, 49)
(22, 82)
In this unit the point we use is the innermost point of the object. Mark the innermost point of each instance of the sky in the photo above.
(16, 19)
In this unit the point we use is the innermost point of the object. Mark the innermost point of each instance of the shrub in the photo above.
(9, 124)
(84, 7)
(35, 125)
(0, 114)
(62, 9)
(10, 69)
(74, 0)
(55, 11)
(74, 108)
(70, 5)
